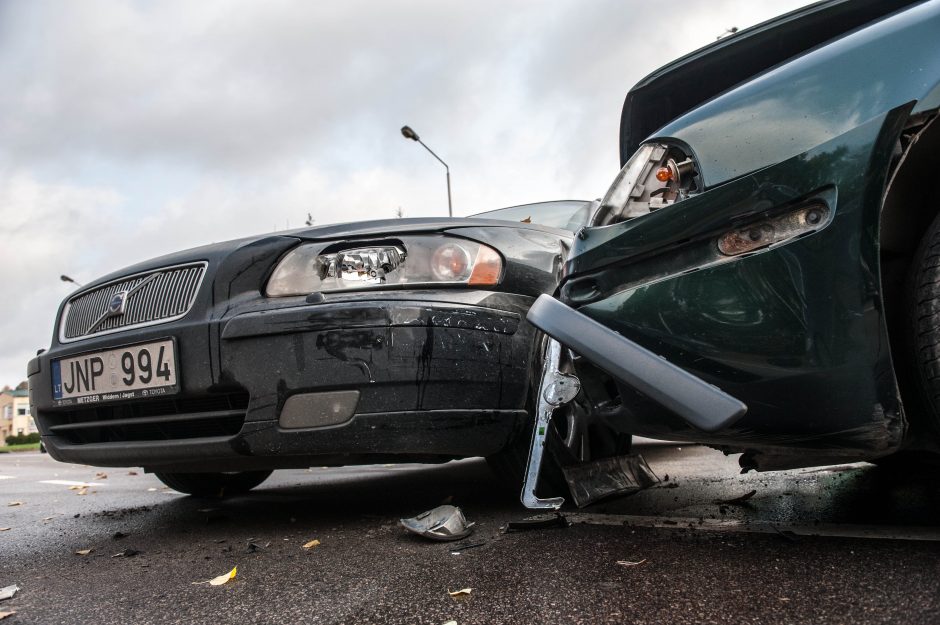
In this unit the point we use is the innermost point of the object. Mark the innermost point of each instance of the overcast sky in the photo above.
(132, 129)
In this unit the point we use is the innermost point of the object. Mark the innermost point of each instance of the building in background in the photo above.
(6, 414)
(15, 417)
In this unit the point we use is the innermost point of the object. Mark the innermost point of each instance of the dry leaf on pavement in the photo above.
(3, 615)
(463, 592)
(221, 579)
(313, 543)
(5, 529)
(83, 552)
(14, 503)
(629, 563)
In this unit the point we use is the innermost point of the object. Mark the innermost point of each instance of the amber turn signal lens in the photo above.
(487, 268)
(664, 174)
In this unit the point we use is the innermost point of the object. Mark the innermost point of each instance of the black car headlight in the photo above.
(414, 261)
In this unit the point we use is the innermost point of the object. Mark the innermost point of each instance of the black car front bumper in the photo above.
(434, 380)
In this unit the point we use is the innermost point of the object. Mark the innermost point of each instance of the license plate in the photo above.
(132, 372)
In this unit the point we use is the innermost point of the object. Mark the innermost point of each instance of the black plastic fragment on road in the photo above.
(461, 548)
(737, 501)
(538, 523)
(127, 553)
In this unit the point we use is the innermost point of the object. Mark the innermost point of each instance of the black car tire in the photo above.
(213, 484)
(924, 325)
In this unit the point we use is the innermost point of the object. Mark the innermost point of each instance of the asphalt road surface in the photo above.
(847, 544)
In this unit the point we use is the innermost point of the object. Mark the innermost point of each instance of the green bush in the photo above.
(23, 439)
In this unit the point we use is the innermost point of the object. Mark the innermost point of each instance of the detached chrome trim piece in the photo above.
(127, 299)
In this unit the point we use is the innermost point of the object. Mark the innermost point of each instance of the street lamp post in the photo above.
(408, 133)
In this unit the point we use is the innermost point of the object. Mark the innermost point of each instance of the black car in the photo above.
(390, 341)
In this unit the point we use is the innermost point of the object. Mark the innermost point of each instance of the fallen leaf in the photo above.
(313, 543)
(76, 487)
(83, 552)
(8, 592)
(463, 592)
(132, 472)
(101, 476)
(221, 579)
(48, 518)
(82, 491)
(5, 529)
(451, 623)
(629, 563)
(3, 615)
(14, 503)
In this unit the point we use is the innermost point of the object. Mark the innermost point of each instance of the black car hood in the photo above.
(365, 229)
(386, 227)
(691, 80)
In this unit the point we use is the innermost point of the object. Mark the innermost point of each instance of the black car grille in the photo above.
(210, 416)
(152, 297)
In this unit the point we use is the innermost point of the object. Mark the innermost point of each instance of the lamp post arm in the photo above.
(434, 155)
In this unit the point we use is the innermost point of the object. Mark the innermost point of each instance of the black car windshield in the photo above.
(564, 214)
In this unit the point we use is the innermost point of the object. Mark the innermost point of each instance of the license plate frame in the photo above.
(109, 384)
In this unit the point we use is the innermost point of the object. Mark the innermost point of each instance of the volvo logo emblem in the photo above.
(117, 304)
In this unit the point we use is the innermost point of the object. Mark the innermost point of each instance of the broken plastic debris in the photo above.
(458, 549)
(313, 543)
(629, 563)
(737, 501)
(451, 623)
(441, 523)
(606, 477)
(541, 521)
(7, 592)
(221, 579)
(127, 553)
(83, 552)
(463, 592)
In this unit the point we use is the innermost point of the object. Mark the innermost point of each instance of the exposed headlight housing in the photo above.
(413, 261)
(657, 175)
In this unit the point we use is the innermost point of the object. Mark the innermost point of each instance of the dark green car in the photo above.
(764, 274)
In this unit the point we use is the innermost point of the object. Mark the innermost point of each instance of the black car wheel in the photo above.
(924, 337)
(213, 484)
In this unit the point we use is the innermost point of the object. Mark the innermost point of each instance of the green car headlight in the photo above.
(430, 260)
